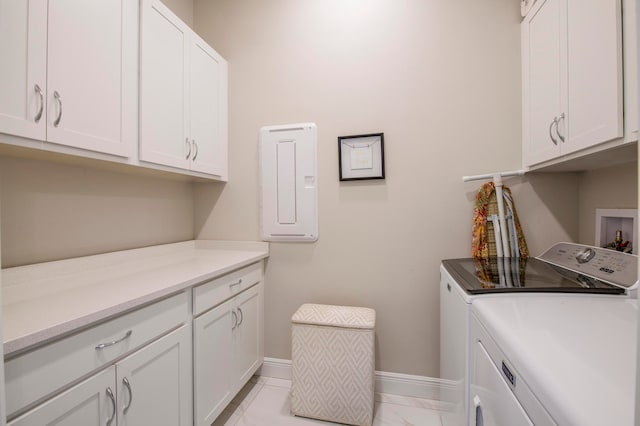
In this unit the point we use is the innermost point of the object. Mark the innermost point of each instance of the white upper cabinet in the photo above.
(541, 81)
(91, 74)
(183, 95)
(72, 73)
(208, 109)
(23, 55)
(594, 94)
(572, 77)
(163, 113)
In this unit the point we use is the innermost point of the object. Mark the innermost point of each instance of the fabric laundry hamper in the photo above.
(333, 363)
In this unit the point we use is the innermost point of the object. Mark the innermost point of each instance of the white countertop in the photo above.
(576, 353)
(44, 301)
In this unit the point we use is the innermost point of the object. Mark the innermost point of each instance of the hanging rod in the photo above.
(492, 175)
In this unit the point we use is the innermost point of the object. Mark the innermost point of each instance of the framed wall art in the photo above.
(361, 156)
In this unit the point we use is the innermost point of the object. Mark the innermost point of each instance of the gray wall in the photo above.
(54, 211)
(441, 79)
(609, 188)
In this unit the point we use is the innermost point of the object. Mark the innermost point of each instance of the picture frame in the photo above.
(361, 156)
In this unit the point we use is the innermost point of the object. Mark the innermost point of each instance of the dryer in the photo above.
(553, 360)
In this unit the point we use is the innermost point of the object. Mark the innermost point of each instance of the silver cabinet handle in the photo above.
(241, 316)
(41, 109)
(104, 345)
(113, 404)
(58, 98)
(126, 383)
(558, 130)
(555, 121)
(195, 145)
(236, 283)
(188, 147)
(235, 319)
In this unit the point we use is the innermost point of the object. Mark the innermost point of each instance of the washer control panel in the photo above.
(612, 266)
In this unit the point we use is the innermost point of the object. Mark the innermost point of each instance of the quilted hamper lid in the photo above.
(335, 316)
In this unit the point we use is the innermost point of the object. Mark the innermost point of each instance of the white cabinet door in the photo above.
(163, 70)
(248, 334)
(572, 77)
(541, 79)
(594, 74)
(154, 384)
(90, 73)
(71, 72)
(228, 349)
(90, 403)
(213, 361)
(208, 76)
(183, 95)
(23, 55)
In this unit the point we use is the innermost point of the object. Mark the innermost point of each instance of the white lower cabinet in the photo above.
(89, 403)
(248, 335)
(213, 336)
(164, 364)
(228, 349)
(150, 387)
(154, 384)
(145, 353)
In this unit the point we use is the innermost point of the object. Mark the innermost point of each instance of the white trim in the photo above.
(408, 385)
(385, 382)
(276, 368)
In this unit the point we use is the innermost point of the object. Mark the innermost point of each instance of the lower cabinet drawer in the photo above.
(216, 291)
(34, 375)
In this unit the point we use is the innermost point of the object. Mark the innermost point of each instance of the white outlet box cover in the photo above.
(289, 182)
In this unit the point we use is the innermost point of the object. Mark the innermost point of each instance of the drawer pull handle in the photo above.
(555, 121)
(39, 93)
(189, 147)
(235, 320)
(241, 316)
(128, 386)
(236, 283)
(558, 130)
(195, 145)
(104, 345)
(58, 98)
(113, 404)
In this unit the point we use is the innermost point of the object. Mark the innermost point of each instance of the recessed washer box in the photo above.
(608, 221)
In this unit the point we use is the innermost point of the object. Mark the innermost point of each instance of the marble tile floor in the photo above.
(264, 401)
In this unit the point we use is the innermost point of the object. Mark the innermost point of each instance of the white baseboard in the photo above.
(392, 383)
(276, 368)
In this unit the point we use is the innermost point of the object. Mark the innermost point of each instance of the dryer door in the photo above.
(492, 401)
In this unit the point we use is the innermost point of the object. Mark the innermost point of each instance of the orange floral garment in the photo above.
(483, 239)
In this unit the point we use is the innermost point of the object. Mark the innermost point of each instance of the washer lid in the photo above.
(516, 275)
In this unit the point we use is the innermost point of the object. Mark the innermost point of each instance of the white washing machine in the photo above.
(564, 269)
